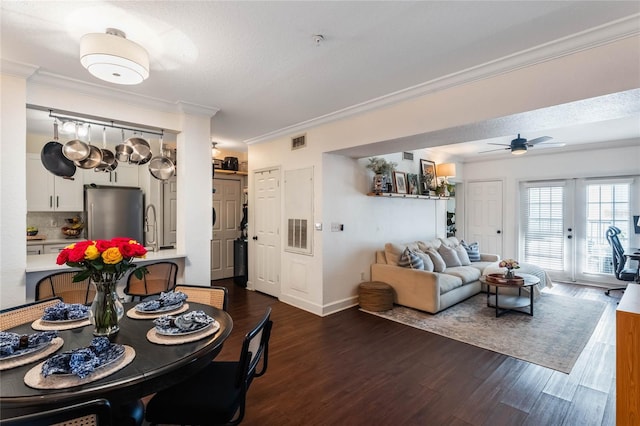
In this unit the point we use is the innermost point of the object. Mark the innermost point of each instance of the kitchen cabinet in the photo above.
(54, 248)
(123, 175)
(48, 192)
(35, 249)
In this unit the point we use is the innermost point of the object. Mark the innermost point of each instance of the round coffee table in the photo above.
(506, 302)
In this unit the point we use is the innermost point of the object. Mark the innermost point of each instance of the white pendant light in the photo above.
(113, 58)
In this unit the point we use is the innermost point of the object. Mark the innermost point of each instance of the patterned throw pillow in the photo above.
(438, 262)
(462, 255)
(428, 263)
(449, 256)
(472, 250)
(409, 259)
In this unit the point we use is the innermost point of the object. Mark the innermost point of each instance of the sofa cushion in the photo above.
(480, 266)
(393, 251)
(462, 255)
(449, 255)
(473, 250)
(448, 283)
(466, 273)
(426, 260)
(439, 264)
(450, 241)
(433, 244)
(409, 259)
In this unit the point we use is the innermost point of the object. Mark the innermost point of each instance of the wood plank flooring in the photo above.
(353, 368)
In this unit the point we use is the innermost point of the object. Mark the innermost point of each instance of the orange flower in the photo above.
(91, 252)
(112, 256)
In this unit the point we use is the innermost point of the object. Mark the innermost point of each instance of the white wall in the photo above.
(598, 162)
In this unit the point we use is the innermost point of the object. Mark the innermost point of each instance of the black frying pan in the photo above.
(54, 160)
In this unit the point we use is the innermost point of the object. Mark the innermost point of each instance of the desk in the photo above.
(634, 254)
(155, 367)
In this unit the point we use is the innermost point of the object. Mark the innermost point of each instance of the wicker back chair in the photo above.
(61, 285)
(160, 276)
(213, 296)
(91, 413)
(23, 314)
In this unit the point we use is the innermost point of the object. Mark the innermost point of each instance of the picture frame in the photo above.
(428, 169)
(400, 182)
(413, 185)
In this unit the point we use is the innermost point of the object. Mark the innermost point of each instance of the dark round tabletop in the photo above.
(155, 367)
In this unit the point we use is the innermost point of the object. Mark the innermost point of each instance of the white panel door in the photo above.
(226, 202)
(484, 217)
(266, 233)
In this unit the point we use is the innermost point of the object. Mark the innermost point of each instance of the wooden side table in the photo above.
(506, 303)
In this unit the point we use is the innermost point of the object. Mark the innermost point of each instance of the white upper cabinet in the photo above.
(48, 192)
(123, 175)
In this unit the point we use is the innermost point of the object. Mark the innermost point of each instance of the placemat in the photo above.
(47, 326)
(132, 313)
(35, 379)
(55, 344)
(160, 339)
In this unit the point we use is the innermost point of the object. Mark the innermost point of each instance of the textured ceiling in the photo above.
(259, 65)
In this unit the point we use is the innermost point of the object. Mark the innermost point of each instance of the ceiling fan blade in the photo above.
(539, 140)
(493, 150)
(500, 144)
(551, 145)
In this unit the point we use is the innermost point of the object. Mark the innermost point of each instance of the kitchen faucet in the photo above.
(153, 243)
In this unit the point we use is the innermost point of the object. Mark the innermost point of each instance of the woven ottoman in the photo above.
(375, 296)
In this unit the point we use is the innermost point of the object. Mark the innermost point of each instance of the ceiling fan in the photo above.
(520, 145)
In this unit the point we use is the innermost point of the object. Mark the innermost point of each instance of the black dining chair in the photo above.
(619, 259)
(158, 277)
(96, 412)
(60, 284)
(217, 394)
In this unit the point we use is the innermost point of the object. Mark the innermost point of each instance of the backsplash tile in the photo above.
(43, 221)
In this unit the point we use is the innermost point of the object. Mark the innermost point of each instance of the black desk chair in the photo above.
(96, 412)
(160, 276)
(217, 394)
(619, 259)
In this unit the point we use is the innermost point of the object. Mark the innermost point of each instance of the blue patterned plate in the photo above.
(168, 308)
(175, 331)
(26, 351)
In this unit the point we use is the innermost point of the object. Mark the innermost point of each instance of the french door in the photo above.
(563, 225)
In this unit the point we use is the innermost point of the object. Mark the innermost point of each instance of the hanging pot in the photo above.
(75, 149)
(108, 163)
(94, 158)
(161, 167)
(140, 150)
(54, 160)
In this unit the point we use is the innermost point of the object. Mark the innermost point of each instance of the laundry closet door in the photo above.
(484, 215)
(226, 202)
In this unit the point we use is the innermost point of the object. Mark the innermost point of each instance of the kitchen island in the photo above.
(39, 266)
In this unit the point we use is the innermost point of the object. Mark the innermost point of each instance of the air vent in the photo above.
(298, 142)
(407, 156)
(297, 233)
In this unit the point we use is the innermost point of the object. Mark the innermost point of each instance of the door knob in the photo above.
(255, 238)
(498, 231)
(569, 236)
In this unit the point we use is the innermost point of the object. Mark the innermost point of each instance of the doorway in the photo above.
(484, 215)
(266, 232)
(227, 207)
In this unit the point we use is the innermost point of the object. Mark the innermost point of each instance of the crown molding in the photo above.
(17, 69)
(588, 39)
(196, 109)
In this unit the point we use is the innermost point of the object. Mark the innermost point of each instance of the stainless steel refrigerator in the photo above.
(114, 212)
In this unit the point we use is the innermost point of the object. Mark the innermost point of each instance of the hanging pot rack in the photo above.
(107, 123)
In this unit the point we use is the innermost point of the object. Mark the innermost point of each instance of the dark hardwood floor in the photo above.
(352, 368)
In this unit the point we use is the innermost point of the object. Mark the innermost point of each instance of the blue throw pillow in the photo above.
(472, 250)
(409, 259)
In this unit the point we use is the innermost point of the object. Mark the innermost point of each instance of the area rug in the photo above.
(554, 337)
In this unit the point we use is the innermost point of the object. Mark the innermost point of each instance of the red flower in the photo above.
(76, 254)
(103, 245)
(63, 257)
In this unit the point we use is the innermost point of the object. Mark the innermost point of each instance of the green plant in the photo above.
(381, 166)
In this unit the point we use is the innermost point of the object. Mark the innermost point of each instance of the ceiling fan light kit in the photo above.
(519, 150)
(113, 58)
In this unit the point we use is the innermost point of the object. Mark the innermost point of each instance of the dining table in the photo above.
(154, 366)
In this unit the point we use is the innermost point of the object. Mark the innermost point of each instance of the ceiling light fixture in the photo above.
(519, 149)
(113, 58)
(214, 151)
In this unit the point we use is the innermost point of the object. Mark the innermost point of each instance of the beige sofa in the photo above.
(424, 290)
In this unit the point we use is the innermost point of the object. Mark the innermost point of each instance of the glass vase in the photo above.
(106, 309)
(509, 274)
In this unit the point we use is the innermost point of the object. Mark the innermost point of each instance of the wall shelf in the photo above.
(230, 172)
(413, 196)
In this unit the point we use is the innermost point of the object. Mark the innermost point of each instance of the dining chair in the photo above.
(23, 314)
(60, 284)
(96, 412)
(159, 277)
(217, 394)
(215, 296)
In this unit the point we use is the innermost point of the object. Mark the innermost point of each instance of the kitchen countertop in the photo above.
(53, 241)
(47, 262)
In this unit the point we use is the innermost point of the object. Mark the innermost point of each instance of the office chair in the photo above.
(215, 296)
(96, 412)
(217, 394)
(60, 284)
(619, 259)
(159, 277)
